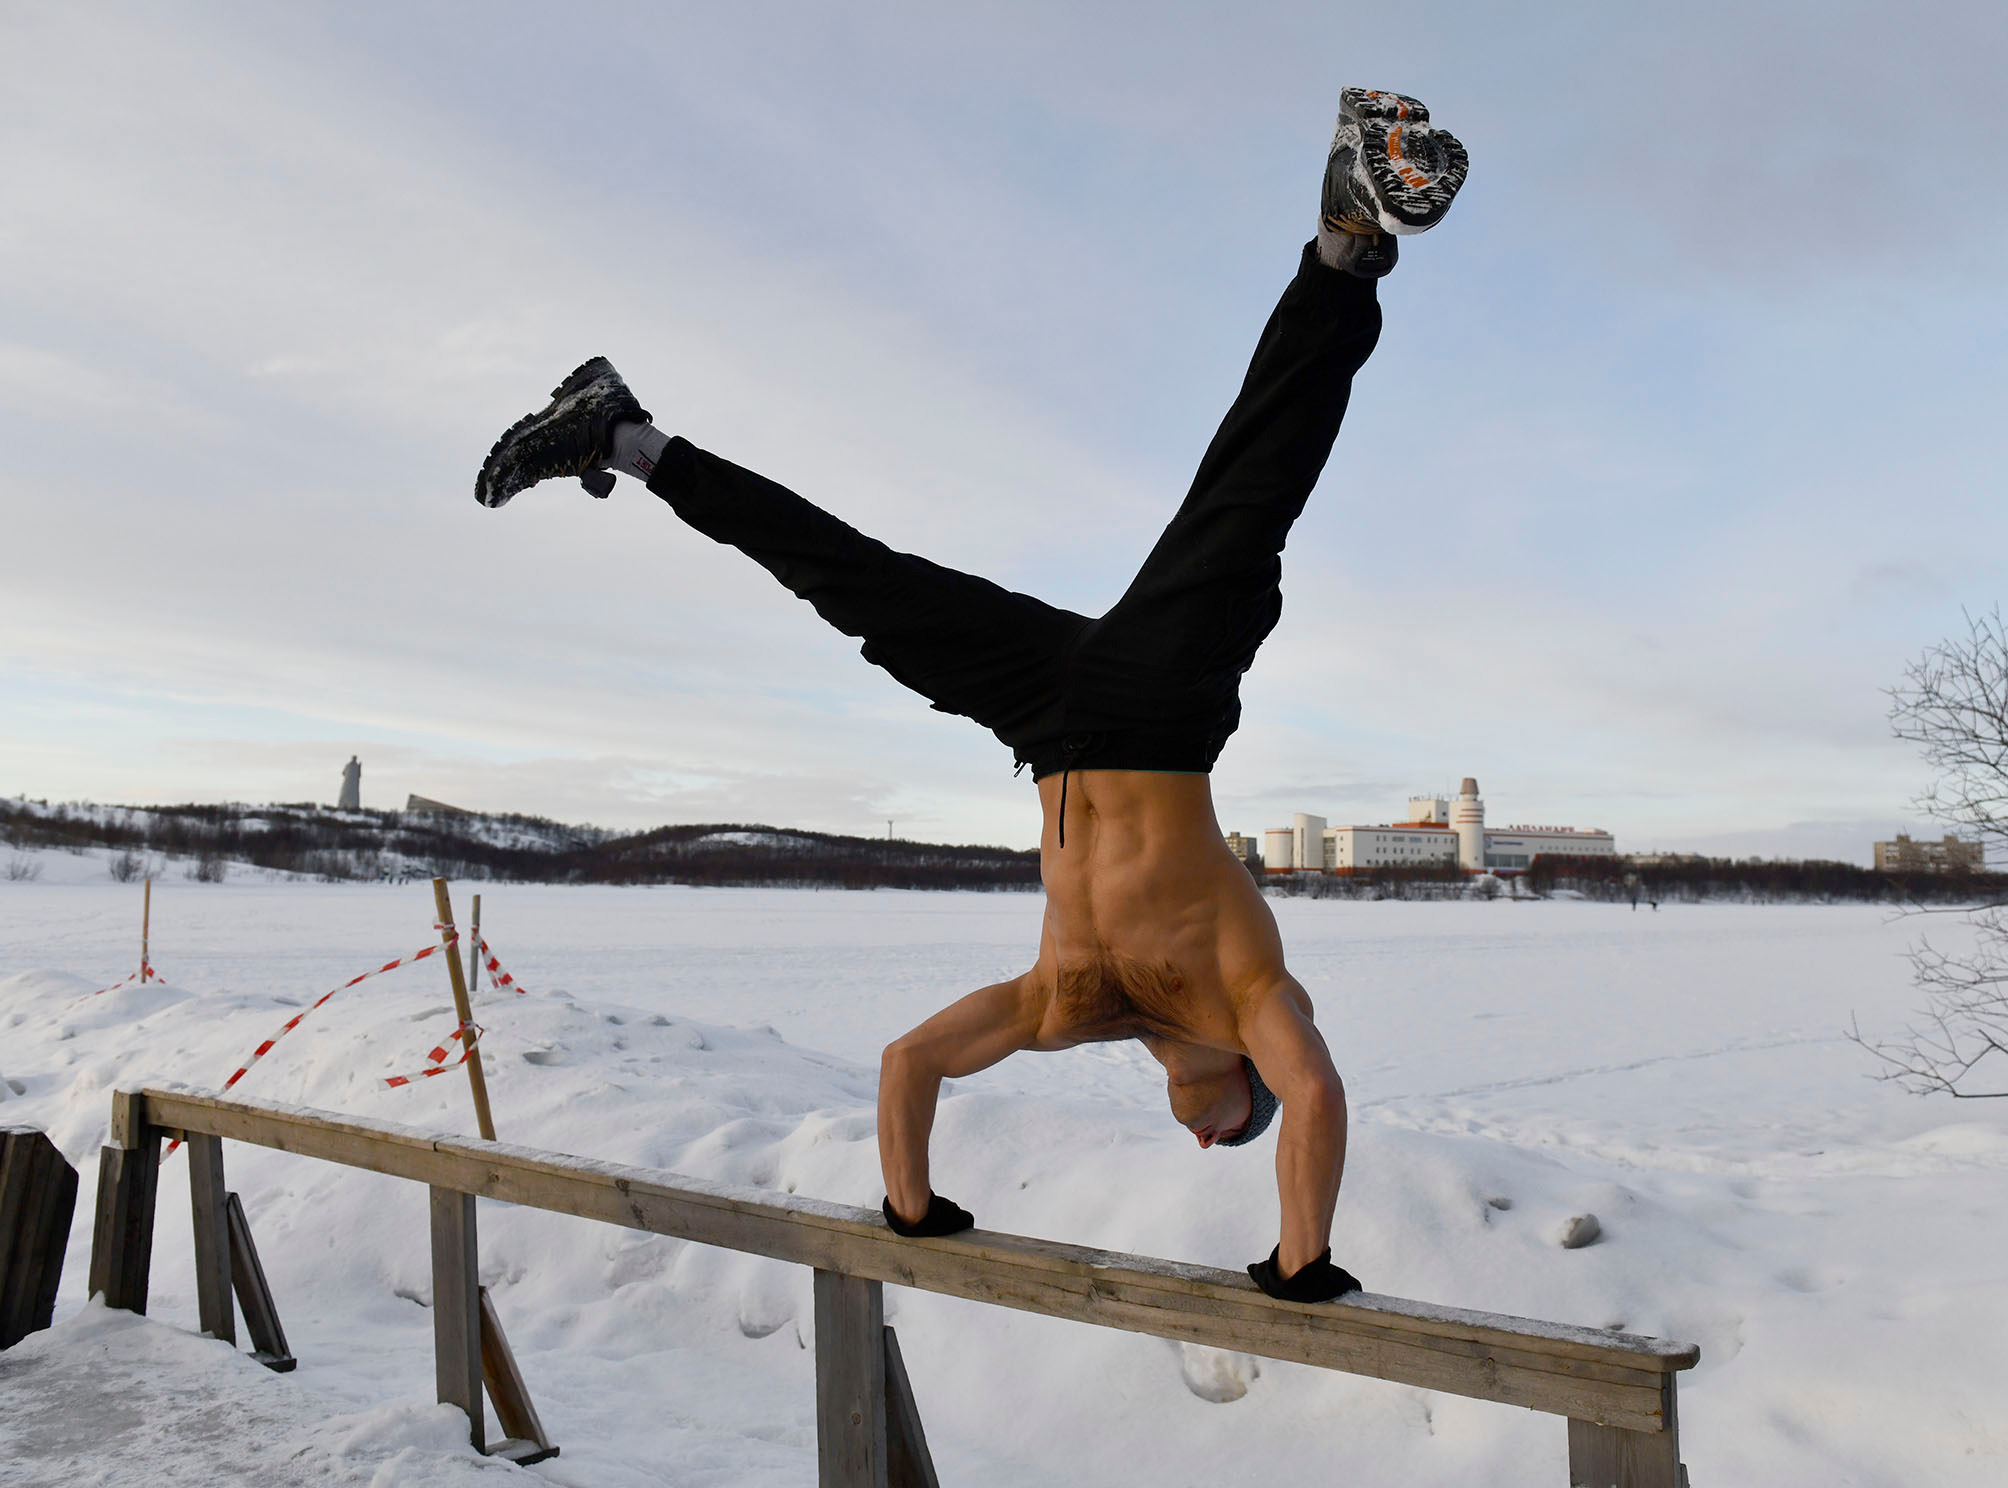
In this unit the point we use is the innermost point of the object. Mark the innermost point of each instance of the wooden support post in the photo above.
(1610, 1457)
(908, 1463)
(456, 1310)
(254, 1294)
(128, 1181)
(476, 1080)
(474, 951)
(524, 1440)
(209, 1203)
(850, 1382)
(38, 1197)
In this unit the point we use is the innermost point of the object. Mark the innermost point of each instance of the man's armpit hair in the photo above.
(1118, 997)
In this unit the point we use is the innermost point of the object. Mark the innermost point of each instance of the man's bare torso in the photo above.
(1153, 929)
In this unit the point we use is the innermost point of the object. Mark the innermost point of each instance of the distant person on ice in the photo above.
(1153, 930)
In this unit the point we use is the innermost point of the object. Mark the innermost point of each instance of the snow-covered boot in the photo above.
(571, 436)
(1389, 171)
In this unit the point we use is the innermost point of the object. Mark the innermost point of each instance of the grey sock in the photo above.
(1367, 255)
(637, 450)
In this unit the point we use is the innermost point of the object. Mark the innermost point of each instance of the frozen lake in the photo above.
(1832, 1244)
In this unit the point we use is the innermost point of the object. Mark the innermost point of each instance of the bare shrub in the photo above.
(1953, 702)
(1965, 1018)
(23, 869)
(126, 867)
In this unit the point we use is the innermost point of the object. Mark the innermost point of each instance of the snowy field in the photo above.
(1834, 1246)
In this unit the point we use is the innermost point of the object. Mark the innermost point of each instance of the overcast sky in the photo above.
(1683, 436)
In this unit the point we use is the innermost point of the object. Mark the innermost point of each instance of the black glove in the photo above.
(943, 1217)
(1318, 1282)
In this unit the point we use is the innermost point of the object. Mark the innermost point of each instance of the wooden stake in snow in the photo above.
(145, 930)
(474, 952)
(476, 1081)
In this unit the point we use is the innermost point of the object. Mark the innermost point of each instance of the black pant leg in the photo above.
(965, 644)
(1174, 647)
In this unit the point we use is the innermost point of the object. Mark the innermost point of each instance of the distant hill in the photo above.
(332, 844)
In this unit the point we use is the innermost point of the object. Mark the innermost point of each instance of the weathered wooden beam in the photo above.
(209, 1202)
(129, 1118)
(38, 1198)
(524, 1441)
(850, 1382)
(128, 1184)
(1603, 1378)
(19, 1165)
(908, 1462)
(254, 1295)
(1607, 1457)
(456, 1310)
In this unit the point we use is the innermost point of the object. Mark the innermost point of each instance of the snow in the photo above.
(1832, 1244)
(751, 839)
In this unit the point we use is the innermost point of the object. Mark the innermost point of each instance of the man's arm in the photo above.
(962, 1038)
(1311, 1146)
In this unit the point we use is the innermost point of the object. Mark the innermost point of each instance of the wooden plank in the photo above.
(525, 1441)
(18, 1162)
(1606, 1457)
(254, 1294)
(122, 1231)
(908, 1462)
(51, 1236)
(850, 1382)
(20, 1181)
(38, 1197)
(456, 1310)
(129, 1119)
(209, 1203)
(1603, 1378)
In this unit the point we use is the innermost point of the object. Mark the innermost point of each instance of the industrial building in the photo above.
(1953, 855)
(1441, 832)
(1247, 849)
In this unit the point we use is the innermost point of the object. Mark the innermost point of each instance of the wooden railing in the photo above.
(1617, 1390)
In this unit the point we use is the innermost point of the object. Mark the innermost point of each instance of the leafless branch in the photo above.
(1953, 703)
(1964, 1022)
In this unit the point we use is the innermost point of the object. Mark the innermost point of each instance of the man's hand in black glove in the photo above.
(1318, 1282)
(943, 1217)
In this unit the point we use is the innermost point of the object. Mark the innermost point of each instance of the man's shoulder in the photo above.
(1268, 993)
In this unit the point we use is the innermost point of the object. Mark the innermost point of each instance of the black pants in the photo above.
(1155, 683)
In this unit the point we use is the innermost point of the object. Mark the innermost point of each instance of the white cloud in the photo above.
(1666, 541)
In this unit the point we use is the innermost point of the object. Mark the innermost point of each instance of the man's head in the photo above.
(1224, 1110)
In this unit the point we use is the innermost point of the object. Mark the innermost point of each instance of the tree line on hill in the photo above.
(1687, 880)
(1758, 880)
(333, 845)
(338, 845)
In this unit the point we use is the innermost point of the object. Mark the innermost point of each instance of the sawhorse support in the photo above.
(470, 1351)
(227, 1264)
(1608, 1457)
(868, 1431)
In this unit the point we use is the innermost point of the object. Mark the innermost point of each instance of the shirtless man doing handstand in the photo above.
(1153, 930)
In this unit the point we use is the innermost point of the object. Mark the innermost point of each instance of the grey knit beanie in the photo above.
(1262, 1109)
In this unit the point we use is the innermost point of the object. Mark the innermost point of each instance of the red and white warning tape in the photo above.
(436, 1060)
(146, 973)
(448, 938)
(497, 977)
(451, 937)
(437, 1057)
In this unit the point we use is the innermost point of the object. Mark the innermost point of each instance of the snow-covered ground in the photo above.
(1833, 1245)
